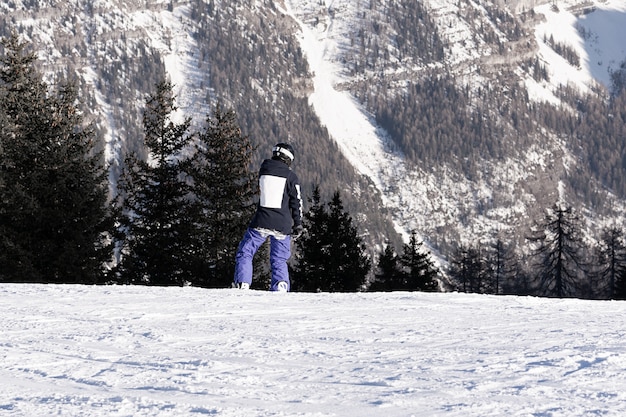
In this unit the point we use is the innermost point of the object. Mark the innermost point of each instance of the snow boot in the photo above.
(241, 285)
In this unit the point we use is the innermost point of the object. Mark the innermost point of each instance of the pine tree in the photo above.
(349, 264)
(160, 245)
(558, 254)
(53, 214)
(312, 247)
(224, 187)
(331, 255)
(421, 273)
(389, 275)
(468, 269)
(612, 259)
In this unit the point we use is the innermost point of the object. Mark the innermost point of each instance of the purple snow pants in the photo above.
(280, 252)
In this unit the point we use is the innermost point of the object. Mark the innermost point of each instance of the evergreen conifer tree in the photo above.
(349, 264)
(468, 269)
(421, 274)
(160, 246)
(618, 79)
(225, 188)
(331, 255)
(312, 248)
(558, 254)
(54, 218)
(612, 259)
(389, 275)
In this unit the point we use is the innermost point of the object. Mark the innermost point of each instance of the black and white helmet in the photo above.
(284, 152)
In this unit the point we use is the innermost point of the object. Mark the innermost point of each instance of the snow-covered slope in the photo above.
(595, 30)
(145, 351)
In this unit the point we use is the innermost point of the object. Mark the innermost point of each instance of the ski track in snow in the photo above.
(145, 351)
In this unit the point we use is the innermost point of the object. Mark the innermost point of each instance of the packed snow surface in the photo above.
(145, 351)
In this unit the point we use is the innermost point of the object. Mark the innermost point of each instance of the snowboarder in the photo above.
(278, 216)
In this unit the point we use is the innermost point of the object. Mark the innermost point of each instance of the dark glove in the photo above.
(297, 231)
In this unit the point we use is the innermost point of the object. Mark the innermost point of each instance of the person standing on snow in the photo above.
(278, 216)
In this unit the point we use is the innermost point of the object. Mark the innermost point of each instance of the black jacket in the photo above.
(280, 203)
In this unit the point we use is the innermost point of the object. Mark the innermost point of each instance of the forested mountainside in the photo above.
(235, 53)
(483, 128)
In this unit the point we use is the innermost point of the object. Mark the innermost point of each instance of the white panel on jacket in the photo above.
(272, 189)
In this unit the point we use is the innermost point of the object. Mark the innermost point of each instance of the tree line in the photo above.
(560, 262)
(436, 119)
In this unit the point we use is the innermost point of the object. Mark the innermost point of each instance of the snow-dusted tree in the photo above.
(618, 79)
(558, 254)
(53, 192)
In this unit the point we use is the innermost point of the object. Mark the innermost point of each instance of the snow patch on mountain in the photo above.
(170, 34)
(366, 145)
(595, 30)
(603, 33)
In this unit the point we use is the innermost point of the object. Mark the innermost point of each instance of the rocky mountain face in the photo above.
(463, 120)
